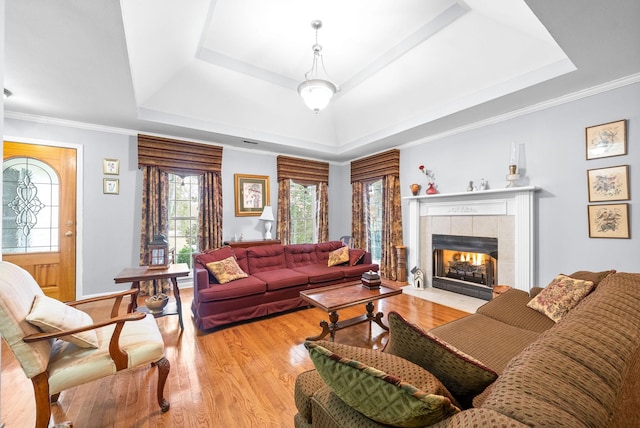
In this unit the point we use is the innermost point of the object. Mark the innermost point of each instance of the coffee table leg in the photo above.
(377, 318)
(327, 328)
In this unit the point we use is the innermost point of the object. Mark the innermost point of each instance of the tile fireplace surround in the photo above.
(506, 214)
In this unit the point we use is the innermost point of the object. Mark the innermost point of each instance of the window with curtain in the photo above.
(373, 201)
(303, 200)
(163, 160)
(183, 207)
(303, 224)
(376, 222)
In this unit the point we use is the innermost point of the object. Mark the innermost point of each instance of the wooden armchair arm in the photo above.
(118, 356)
(134, 316)
(116, 304)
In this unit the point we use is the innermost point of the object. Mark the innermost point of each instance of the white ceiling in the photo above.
(226, 71)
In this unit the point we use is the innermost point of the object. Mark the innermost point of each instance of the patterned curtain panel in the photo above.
(358, 219)
(210, 213)
(155, 199)
(322, 212)
(391, 226)
(284, 211)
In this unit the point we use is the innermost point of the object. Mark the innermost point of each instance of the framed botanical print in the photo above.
(111, 186)
(251, 194)
(608, 139)
(608, 184)
(609, 221)
(111, 166)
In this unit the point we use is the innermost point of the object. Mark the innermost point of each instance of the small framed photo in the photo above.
(111, 166)
(608, 139)
(251, 194)
(608, 184)
(609, 221)
(111, 186)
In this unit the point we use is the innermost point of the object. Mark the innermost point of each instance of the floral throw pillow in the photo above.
(226, 270)
(560, 296)
(339, 256)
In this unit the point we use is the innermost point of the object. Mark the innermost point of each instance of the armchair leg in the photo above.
(43, 406)
(163, 373)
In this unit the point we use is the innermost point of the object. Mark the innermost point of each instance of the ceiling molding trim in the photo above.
(221, 60)
(575, 96)
(219, 128)
(471, 100)
(68, 123)
(443, 20)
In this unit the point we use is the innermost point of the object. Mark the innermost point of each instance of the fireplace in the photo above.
(465, 264)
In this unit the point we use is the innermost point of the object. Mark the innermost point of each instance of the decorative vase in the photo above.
(431, 190)
(415, 189)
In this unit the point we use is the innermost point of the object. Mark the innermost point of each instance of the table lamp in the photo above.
(267, 216)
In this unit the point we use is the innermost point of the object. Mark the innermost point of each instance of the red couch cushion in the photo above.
(282, 278)
(300, 255)
(320, 273)
(356, 271)
(324, 248)
(355, 256)
(232, 290)
(265, 258)
(216, 255)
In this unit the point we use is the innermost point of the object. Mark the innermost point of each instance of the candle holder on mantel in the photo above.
(513, 176)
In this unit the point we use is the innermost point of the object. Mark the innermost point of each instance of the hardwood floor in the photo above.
(239, 376)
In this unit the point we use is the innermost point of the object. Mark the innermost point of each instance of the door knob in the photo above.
(68, 233)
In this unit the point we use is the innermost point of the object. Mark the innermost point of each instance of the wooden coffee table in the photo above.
(335, 297)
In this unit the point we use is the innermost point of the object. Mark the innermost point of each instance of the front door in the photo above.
(39, 215)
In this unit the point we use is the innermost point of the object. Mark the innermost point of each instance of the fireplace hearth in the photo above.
(465, 264)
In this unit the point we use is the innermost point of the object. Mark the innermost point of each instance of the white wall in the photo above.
(554, 156)
(109, 225)
(555, 160)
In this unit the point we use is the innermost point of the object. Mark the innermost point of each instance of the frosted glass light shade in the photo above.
(316, 93)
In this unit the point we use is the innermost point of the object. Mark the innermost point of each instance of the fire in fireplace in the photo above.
(465, 264)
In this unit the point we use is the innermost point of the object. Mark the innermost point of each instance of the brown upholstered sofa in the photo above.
(583, 371)
(276, 275)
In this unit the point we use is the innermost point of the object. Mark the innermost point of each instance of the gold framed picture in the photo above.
(609, 221)
(110, 186)
(251, 194)
(608, 139)
(111, 166)
(608, 184)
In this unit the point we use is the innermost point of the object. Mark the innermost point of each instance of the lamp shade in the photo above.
(267, 213)
(316, 93)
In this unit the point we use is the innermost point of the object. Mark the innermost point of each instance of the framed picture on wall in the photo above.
(608, 184)
(111, 186)
(608, 139)
(609, 221)
(111, 166)
(251, 194)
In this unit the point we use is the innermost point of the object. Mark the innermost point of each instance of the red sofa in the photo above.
(277, 275)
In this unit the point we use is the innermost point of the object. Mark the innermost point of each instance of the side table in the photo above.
(142, 273)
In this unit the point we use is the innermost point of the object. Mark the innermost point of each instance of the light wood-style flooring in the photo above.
(239, 376)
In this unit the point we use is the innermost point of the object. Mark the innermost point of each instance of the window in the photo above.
(183, 216)
(373, 207)
(302, 201)
(31, 193)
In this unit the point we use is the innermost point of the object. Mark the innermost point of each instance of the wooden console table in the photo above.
(245, 244)
(142, 273)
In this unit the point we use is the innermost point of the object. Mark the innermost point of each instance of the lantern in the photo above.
(158, 252)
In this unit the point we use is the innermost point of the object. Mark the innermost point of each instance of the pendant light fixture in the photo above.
(317, 91)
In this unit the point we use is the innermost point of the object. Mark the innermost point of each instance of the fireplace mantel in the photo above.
(518, 202)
